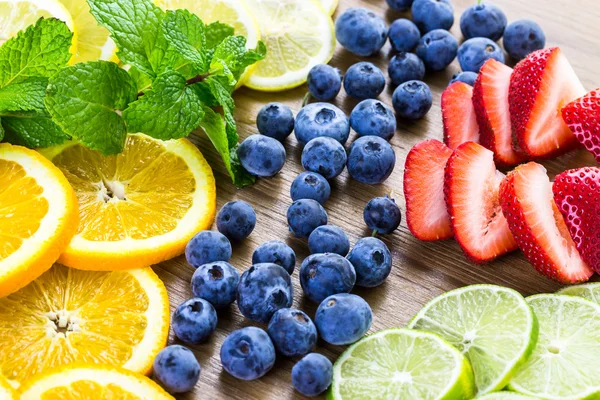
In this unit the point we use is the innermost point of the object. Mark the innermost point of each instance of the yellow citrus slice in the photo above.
(93, 41)
(78, 382)
(329, 5)
(231, 12)
(118, 318)
(298, 35)
(6, 390)
(38, 216)
(137, 208)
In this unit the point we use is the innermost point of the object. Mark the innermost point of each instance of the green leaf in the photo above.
(1, 130)
(39, 51)
(85, 101)
(215, 33)
(222, 95)
(231, 57)
(142, 81)
(26, 95)
(170, 110)
(184, 32)
(32, 130)
(214, 126)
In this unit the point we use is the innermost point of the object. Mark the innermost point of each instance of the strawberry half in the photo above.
(583, 118)
(538, 226)
(426, 214)
(577, 195)
(471, 189)
(460, 124)
(490, 102)
(540, 86)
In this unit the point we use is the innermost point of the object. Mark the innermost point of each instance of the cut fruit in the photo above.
(426, 214)
(490, 101)
(92, 382)
(458, 115)
(6, 390)
(298, 35)
(540, 86)
(402, 364)
(137, 208)
(505, 396)
(577, 196)
(471, 191)
(38, 216)
(329, 5)
(566, 359)
(583, 118)
(589, 291)
(119, 318)
(93, 41)
(492, 326)
(538, 226)
(234, 13)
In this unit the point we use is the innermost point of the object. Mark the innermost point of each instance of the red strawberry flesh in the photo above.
(458, 115)
(583, 118)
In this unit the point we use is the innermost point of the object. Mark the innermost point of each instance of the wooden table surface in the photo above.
(420, 270)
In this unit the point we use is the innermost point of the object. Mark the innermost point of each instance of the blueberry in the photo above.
(399, 5)
(236, 220)
(275, 120)
(304, 216)
(216, 282)
(467, 77)
(247, 353)
(373, 118)
(310, 185)
(176, 369)
(343, 318)
(293, 333)
(360, 31)
(364, 81)
(325, 156)
(404, 35)
(312, 375)
(206, 247)
(321, 120)
(433, 14)
(324, 82)
(473, 53)
(194, 321)
(523, 37)
(371, 160)
(322, 275)
(328, 239)
(437, 49)
(275, 252)
(405, 67)
(263, 289)
(412, 100)
(261, 155)
(483, 20)
(381, 214)
(372, 261)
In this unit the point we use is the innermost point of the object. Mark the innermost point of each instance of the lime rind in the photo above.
(506, 396)
(589, 291)
(566, 360)
(402, 364)
(492, 326)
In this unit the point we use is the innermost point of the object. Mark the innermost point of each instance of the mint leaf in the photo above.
(184, 32)
(215, 33)
(142, 81)
(25, 95)
(32, 130)
(231, 57)
(1, 130)
(222, 96)
(85, 101)
(39, 51)
(170, 110)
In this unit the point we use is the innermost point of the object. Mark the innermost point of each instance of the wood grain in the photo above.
(421, 270)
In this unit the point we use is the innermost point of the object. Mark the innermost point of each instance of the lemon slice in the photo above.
(93, 41)
(231, 12)
(119, 318)
(38, 216)
(92, 382)
(329, 5)
(298, 35)
(137, 208)
(6, 390)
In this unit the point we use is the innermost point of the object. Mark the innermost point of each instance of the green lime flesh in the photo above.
(506, 396)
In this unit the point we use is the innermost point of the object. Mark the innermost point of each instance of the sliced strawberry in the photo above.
(460, 125)
(540, 86)
(538, 226)
(583, 118)
(426, 214)
(490, 101)
(577, 195)
(471, 189)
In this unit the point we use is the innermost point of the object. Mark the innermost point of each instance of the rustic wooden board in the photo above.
(421, 271)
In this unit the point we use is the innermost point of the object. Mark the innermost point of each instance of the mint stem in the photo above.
(306, 99)
(374, 233)
(479, 2)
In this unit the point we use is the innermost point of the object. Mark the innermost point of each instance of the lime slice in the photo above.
(492, 325)
(566, 360)
(401, 364)
(589, 291)
(505, 396)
